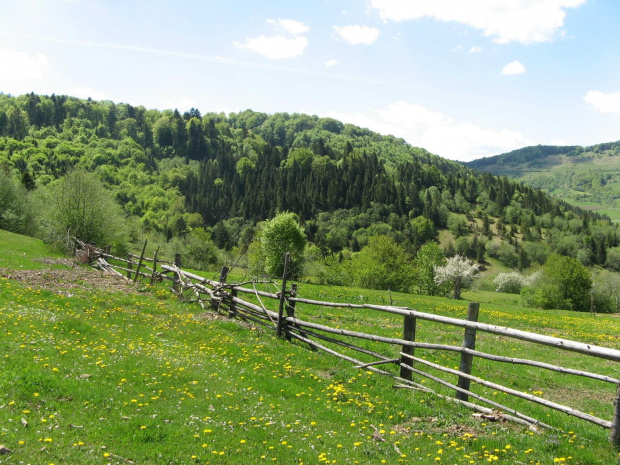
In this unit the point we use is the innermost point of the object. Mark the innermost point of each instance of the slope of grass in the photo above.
(590, 180)
(22, 252)
(96, 377)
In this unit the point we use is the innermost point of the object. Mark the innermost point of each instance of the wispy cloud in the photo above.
(330, 63)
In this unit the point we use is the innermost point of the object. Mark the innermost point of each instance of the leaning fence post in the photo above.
(282, 297)
(408, 335)
(223, 276)
(615, 422)
(176, 285)
(154, 265)
(469, 342)
(129, 267)
(140, 262)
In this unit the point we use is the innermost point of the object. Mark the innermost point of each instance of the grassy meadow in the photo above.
(96, 373)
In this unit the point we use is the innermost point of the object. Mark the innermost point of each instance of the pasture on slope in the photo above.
(137, 376)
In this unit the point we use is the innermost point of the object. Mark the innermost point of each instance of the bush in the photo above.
(382, 264)
(509, 283)
(280, 235)
(78, 205)
(565, 283)
(427, 258)
(16, 214)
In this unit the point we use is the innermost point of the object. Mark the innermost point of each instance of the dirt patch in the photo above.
(430, 425)
(64, 280)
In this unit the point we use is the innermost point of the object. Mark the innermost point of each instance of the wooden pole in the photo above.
(559, 343)
(223, 276)
(282, 297)
(408, 335)
(129, 268)
(176, 285)
(469, 342)
(290, 309)
(140, 262)
(232, 308)
(615, 422)
(154, 265)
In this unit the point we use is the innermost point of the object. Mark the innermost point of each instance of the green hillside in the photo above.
(203, 185)
(587, 177)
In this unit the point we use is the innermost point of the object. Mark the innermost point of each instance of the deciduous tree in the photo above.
(458, 271)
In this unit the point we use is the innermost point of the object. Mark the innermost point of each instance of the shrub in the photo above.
(509, 283)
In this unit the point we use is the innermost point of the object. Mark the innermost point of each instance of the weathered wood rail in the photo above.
(224, 297)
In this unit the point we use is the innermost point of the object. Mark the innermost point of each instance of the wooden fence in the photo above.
(225, 297)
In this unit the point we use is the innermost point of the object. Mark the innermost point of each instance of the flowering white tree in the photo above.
(458, 271)
(510, 283)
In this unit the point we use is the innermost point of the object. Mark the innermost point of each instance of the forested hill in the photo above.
(588, 177)
(176, 174)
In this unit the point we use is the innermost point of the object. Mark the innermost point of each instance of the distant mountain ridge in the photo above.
(588, 177)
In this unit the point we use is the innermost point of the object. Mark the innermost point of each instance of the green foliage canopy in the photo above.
(280, 235)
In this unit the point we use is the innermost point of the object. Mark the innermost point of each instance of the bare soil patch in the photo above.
(66, 279)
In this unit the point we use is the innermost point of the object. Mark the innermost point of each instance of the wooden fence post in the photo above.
(615, 422)
(129, 267)
(223, 277)
(176, 284)
(408, 335)
(290, 308)
(469, 342)
(140, 262)
(232, 309)
(282, 297)
(154, 265)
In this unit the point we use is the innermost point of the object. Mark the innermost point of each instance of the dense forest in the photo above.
(218, 177)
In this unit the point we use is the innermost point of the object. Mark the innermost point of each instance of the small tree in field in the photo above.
(458, 271)
(80, 205)
(280, 235)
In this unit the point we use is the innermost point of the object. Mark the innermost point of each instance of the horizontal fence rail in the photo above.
(225, 297)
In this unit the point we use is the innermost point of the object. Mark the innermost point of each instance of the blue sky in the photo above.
(463, 79)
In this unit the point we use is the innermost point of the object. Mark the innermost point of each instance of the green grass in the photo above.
(21, 252)
(103, 377)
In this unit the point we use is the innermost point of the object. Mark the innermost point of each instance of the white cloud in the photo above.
(475, 49)
(437, 132)
(85, 92)
(331, 63)
(291, 26)
(523, 21)
(515, 67)
(603, 103)
(182, 104)
(276, 47)
(358, 34)
(20, 65)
